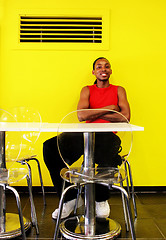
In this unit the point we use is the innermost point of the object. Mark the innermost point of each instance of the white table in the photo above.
(64, 127)
(87, 128)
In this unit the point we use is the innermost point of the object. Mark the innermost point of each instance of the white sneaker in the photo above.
(102, 209)
(68, 207)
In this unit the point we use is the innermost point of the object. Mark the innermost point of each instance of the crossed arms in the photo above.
(104, 112)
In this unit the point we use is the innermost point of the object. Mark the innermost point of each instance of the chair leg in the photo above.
(124, 209)
(132, 189)
(19, 210)
(41, 179)
(77, 199)
(60, 210)
(79, 192)
(29, 171)
(33, 211)
(63, 185)
(132, 230)
(25, 162)
(127, 180)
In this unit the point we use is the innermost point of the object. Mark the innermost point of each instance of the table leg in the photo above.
(2, 191)
(2, 150)
(89, 164)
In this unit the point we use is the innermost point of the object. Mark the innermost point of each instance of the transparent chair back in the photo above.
(11, 140)
(29, 146)
(109, 148)
(28, 138)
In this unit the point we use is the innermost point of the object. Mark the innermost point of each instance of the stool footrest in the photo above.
(74, 228)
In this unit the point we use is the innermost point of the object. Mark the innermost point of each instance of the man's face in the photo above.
(102, 70)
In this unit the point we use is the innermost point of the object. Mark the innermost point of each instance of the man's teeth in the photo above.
(103, 74)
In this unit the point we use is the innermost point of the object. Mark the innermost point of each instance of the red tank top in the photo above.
(101, 97)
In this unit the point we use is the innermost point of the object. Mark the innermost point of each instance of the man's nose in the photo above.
(103, 68)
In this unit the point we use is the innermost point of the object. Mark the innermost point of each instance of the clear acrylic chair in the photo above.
(12, 225)
(97, 143)
(29, 140)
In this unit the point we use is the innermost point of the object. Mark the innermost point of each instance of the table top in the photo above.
(68, 127)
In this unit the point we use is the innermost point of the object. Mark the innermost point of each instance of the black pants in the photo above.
(71, 146)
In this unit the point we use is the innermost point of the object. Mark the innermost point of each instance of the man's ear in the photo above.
(93, 72)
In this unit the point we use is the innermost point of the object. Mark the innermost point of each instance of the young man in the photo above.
(103, 97)
(114, 99)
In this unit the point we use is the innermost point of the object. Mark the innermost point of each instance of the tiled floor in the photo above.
(150, 223)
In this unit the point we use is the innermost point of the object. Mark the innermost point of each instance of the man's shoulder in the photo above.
(121, 90)
(86, 88)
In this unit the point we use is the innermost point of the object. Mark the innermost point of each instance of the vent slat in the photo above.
(58, 36)
(58, 27)
(59, 32)
(62, 23)
(51, 17)
(61, 29)
(60, 40)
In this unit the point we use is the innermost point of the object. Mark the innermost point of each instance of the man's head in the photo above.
(102, 69)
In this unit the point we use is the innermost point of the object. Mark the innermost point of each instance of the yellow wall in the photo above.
(51, 79)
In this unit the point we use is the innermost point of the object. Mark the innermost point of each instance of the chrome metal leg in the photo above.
(60, 210)
(132, 189)
(128, 210)
(77, 199)
(2, 194)
(19, 210)
(25, 162)
(127, 180)
(41, 179)
(2, 150)
(79, 192)
(33, 211)
(63, 186)
(89, 163)
(124, 209)
(29, 170)
(3, 208)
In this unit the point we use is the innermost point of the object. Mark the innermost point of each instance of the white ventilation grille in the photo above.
(53, 29)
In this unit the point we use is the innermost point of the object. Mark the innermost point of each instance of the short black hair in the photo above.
(97, 60)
